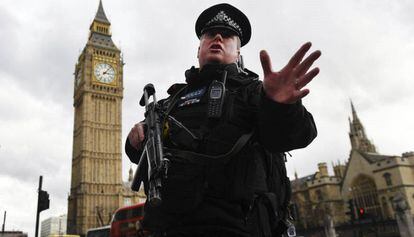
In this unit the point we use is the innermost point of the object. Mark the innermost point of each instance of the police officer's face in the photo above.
(218, 46)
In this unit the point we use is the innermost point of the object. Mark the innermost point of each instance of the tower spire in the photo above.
(354, 113)
(359, 140)
(100, 14)
(100, 30)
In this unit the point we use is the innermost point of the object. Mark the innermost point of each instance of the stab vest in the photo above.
(238, 179)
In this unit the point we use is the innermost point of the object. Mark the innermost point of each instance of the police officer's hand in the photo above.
(136, 135)
(285, 86)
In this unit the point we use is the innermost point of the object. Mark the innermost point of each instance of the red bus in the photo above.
(124, 220)
(98, 232)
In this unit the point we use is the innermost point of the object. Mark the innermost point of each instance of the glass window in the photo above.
(364, 192)
(387, 177)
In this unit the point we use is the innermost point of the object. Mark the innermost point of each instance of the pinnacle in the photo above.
(100, 14)
(354, 113)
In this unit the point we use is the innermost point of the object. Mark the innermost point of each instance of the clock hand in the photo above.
(106, 71)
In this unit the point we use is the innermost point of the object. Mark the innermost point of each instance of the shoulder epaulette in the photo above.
(175, 87)
(244, 78)
(251, 74)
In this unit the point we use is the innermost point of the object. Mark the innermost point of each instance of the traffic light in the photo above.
(361, 213)
(351, 210)
(42, 203)
(43, 200)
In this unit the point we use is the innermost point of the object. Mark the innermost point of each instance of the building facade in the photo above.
(53, 226)
(364, 187)
(318, 196)
(97, 189)
(13, 234)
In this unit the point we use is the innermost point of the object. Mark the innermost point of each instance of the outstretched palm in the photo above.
(285, 86)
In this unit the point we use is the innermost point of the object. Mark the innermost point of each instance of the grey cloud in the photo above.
(8, 30)
(366, 56)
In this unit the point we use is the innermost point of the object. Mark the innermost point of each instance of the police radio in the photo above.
(216, 97)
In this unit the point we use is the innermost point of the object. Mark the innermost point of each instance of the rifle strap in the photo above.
(199, 158)
(174, 99)
(171, 101)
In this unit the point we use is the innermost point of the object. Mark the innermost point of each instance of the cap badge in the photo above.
(222, 17)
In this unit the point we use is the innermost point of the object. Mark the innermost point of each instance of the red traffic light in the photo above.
(361, 211)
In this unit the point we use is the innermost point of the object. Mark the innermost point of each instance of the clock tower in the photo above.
(96, 184)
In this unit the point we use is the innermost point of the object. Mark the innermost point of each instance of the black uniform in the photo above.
(243, 193)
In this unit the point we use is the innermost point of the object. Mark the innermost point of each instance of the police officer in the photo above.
(227, 175)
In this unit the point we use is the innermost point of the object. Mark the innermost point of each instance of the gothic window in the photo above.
(387, 177)
(365, 195)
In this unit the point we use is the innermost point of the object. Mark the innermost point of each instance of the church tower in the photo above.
(96, 183)
(359, 140)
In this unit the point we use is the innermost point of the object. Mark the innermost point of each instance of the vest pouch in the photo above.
(239, 113)
(263, 220)
(278, 181)
(245, 175)
(234, 180)
(181, 138)
(182, 190)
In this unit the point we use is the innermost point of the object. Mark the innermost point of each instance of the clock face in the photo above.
(104, 72)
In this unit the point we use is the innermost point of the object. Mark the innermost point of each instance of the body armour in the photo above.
(205, 194)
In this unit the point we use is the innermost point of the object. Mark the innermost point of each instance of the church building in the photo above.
(366, 186)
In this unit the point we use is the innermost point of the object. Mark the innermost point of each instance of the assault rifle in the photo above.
(152, 156)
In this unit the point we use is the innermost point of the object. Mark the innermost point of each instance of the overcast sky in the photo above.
(367, 56)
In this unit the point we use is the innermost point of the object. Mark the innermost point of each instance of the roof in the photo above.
(100, 14)
(302, 181)
(102, 40)
(374, 157)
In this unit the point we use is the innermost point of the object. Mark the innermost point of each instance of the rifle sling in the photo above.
(198, 158)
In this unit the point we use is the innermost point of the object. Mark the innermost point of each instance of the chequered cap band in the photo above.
(223, 18)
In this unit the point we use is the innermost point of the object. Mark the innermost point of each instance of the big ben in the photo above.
(96, 182)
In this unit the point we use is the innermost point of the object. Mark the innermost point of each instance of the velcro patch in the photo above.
(189, 102)
(194, 94)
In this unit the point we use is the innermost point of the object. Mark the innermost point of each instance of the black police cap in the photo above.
(224, 16)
